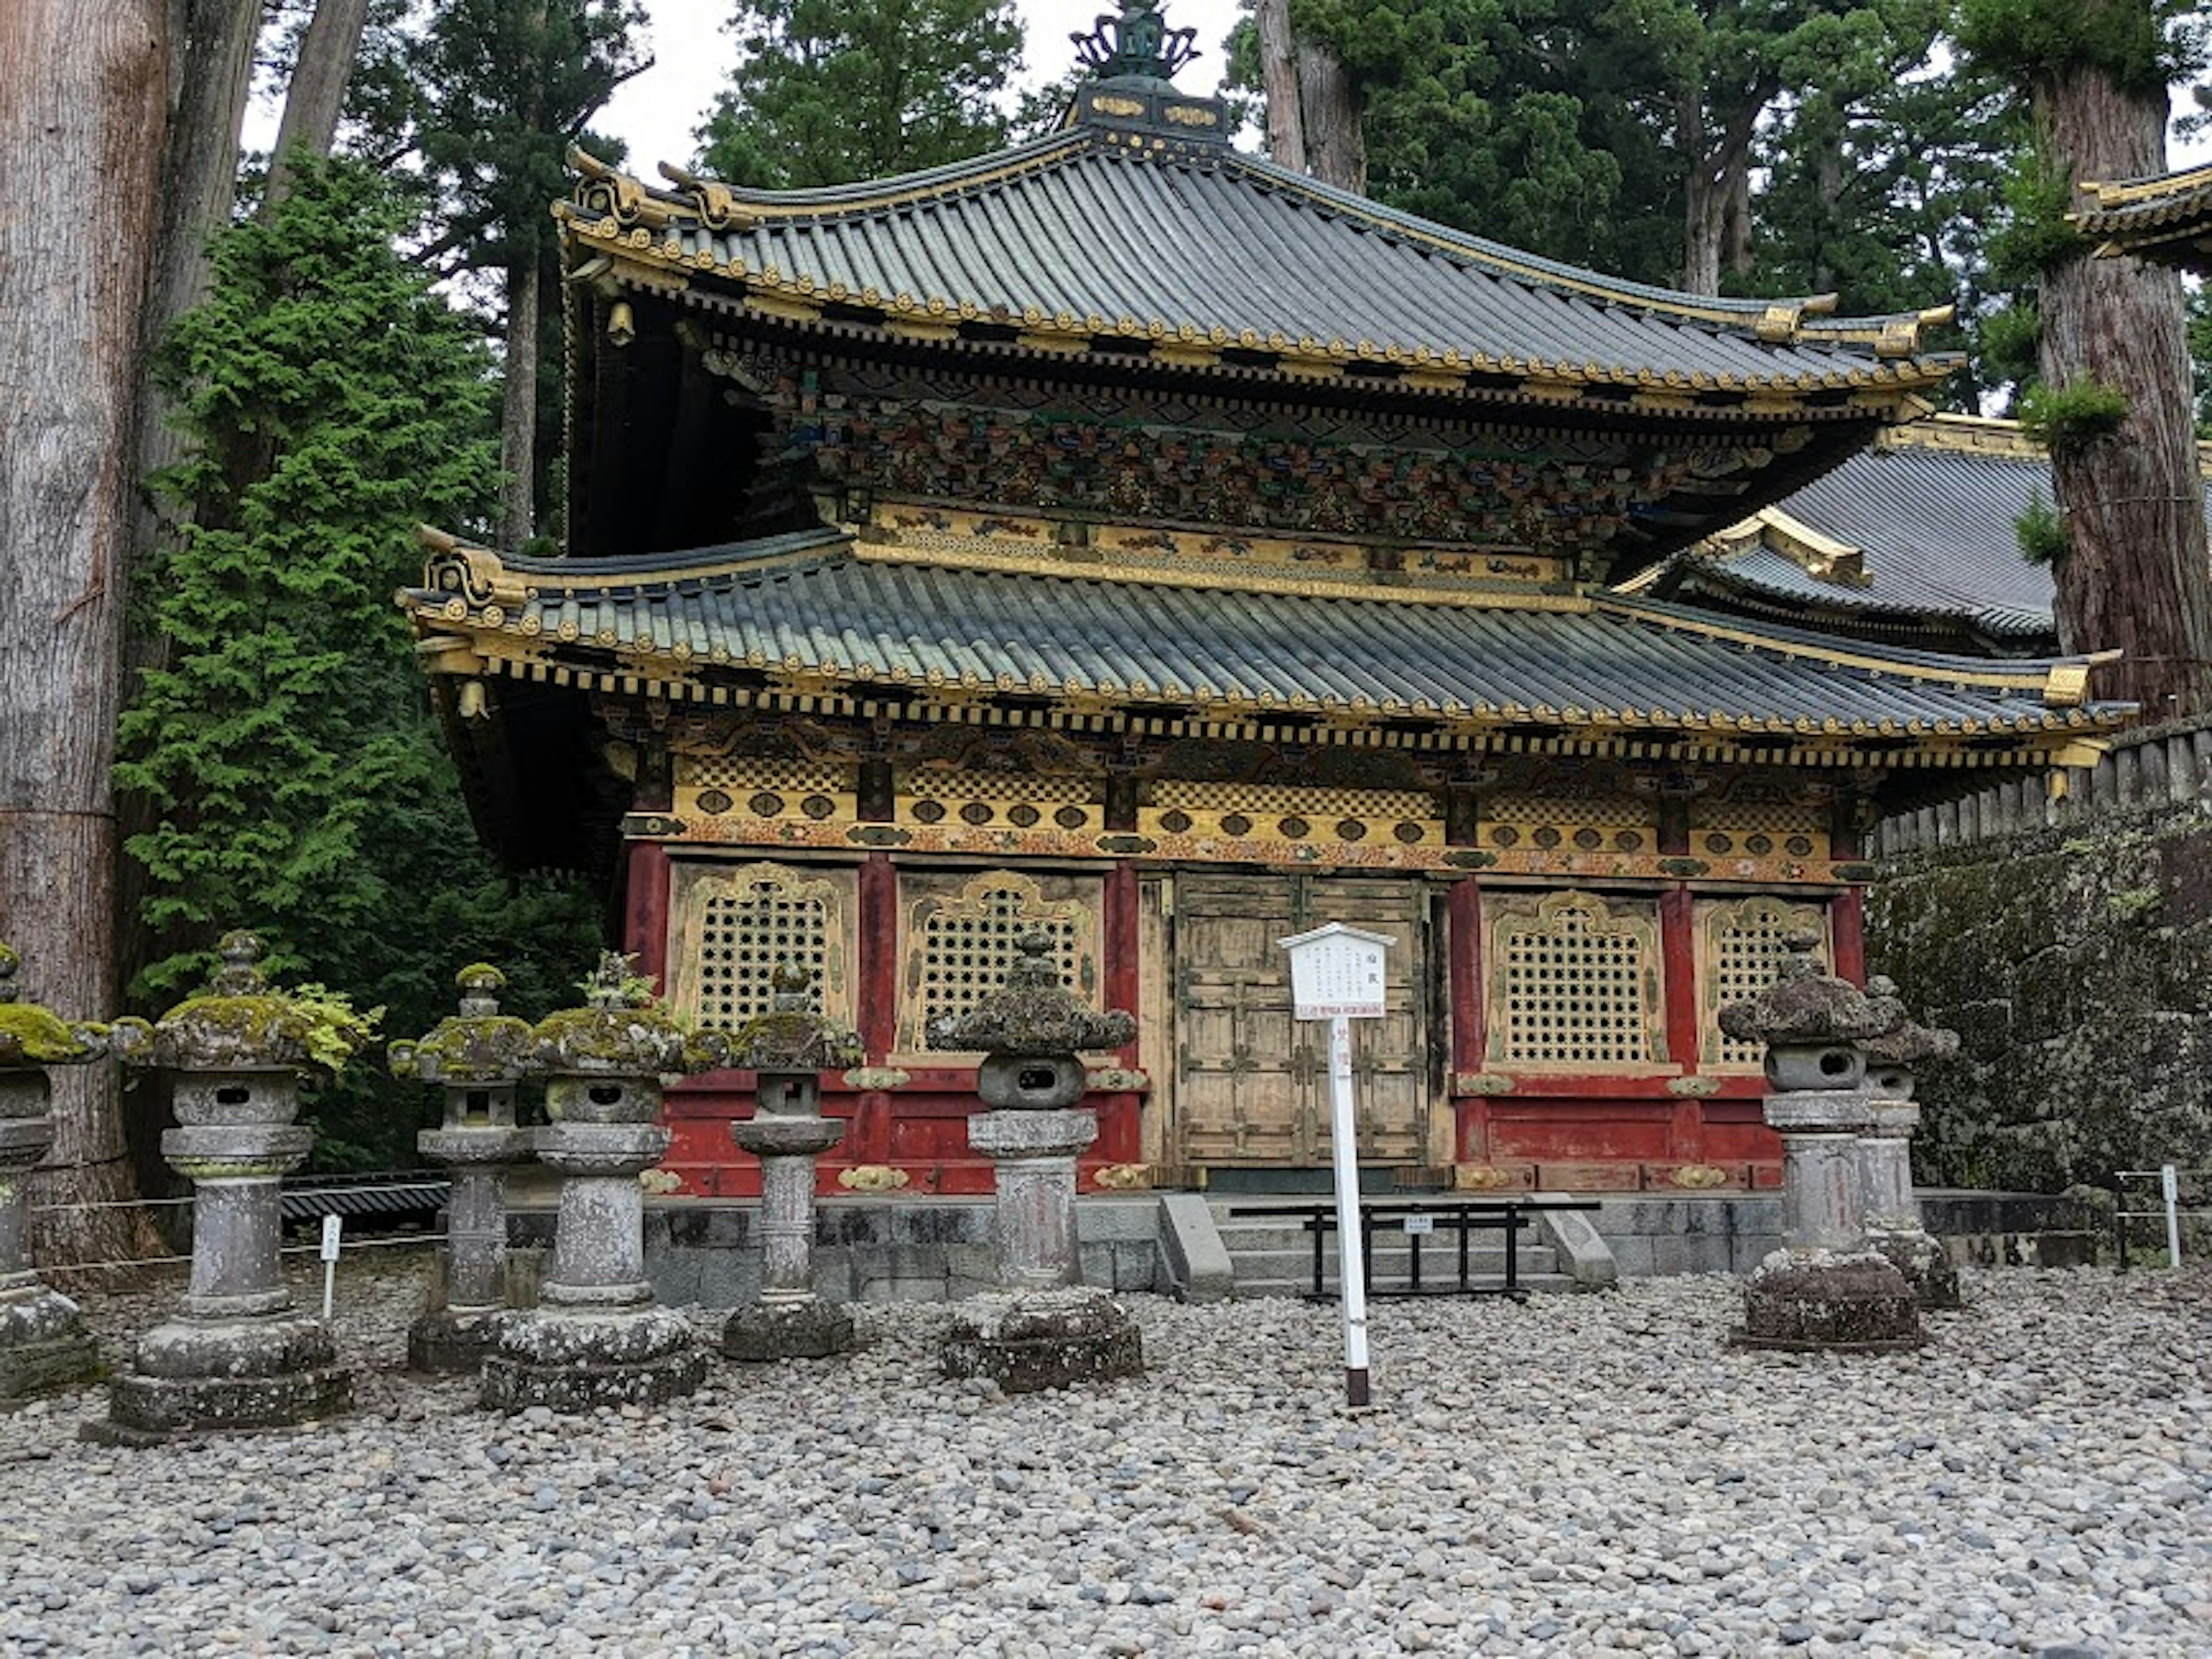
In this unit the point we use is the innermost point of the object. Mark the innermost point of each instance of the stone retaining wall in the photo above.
(2074, 960)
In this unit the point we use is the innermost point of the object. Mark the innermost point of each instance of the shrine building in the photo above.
(1123, 537)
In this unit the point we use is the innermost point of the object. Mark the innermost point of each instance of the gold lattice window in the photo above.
(733, 926)
(1740, 951)
(961, 936)
(1574, 982)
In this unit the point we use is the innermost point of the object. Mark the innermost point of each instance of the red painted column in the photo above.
(1121, 969)
(1463, 983)
(1847, 926)
(876, 1004)
(644, 909)
(1678, 958)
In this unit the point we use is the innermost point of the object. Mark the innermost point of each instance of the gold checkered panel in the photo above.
(734, 926)
(719, 786)
(1611, 824)
(1320, 817)
(1574, 981)
(961, 936)
(1758, 829)
(1000, 800)
(1740, 952)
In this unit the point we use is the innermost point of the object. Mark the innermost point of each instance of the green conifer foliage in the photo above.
(337, 401)
(828, 92)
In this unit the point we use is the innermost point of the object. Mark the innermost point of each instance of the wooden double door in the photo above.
(1251, 1085)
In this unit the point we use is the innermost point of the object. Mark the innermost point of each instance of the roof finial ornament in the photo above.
(1138, 42)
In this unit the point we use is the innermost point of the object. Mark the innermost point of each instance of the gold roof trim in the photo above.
(1982, 434)
(500, 646)
(2126, 192)
(1819, 555)
(605, 192)
(771, 293)
(482, 624)
(2028, 677)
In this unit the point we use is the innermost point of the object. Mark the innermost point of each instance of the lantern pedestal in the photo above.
(457, 1334)
(597, 1337)
(1893, 1228)
(237, 1355)
(1028, 1340)
(44, 1346)
(1825, 1289)
(789, 1322)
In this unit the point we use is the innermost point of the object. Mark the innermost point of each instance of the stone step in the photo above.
(1545, 1283)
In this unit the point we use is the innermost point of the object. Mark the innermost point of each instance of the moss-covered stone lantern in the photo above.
(43, 1343)
(597, 1337)
(1049, 1331)
(1825, 1288)
(1894, 1226)
(237, 1354)
(787, 1050)
(480, 1056)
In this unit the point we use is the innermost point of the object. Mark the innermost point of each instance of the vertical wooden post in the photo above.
(1847, 926)
(1678, 959)
(876, 980)
(1119, 971)
(646, 878)
(1469, 1037)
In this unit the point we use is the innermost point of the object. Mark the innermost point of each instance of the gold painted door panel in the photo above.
(1252, 1083)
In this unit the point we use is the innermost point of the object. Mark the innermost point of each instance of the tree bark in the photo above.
(1279, 81)
(83, 92)
(212, 60)
(316, 98)
(1328, 104)
(518, 420)
(1701, 199)
(2137, 576)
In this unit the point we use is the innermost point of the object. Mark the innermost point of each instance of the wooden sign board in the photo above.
(1336, 972)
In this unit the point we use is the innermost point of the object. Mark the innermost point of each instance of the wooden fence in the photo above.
(2156, 768)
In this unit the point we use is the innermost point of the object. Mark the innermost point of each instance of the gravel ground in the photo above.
(1582, 1475)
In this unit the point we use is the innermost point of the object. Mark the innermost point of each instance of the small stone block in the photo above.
(49, 1365)
(445, 1343)
(804, 1330)
(1833, 1303)
(145, 1410)
(1043, 1340)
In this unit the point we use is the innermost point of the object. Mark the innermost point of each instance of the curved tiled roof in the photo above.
(1932, 511)
(1090, 231)
(819, 610)
(2166, 216)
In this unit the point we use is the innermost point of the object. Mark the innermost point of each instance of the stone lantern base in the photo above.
(796, 1330)
(447, 1340)
(1029, 1340)
(1839, 1301)
(1921, 1259)
(191, 1376)
(574, 1360)
(43, 1347)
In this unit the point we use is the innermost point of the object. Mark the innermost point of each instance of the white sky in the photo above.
(657, 113)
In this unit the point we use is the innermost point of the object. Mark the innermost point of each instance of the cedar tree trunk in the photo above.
(83, 106)
(1279, 80)
(1336, 145)
(316, 97)
(517, 417)
(2137, 576)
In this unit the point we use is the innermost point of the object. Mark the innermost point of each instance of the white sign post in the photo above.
(2169, 1188)
(1336, 975)
(330, 1226)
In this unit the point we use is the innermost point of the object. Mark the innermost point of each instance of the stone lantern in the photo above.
(1825, 1288)
(1046, 1331)
(597, 1338)
(480, 1056)
(236, 1355)
(1892, 1213)
(787, 1050)
(43, 1345)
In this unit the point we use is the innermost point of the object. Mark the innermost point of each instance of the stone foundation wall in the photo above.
(708, 1253)
(2076, 963)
